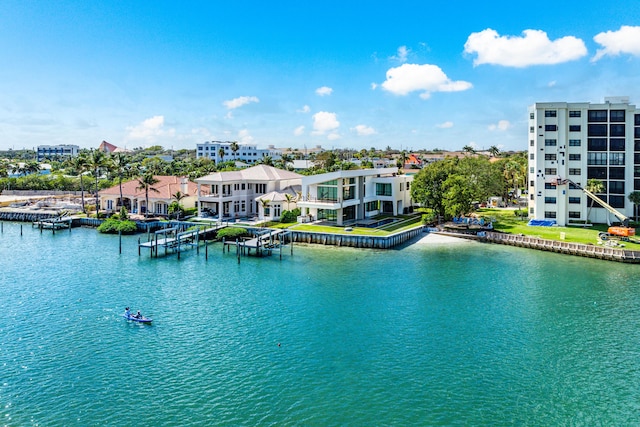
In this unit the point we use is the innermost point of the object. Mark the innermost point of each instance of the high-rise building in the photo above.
(248, 153)
(575, 142)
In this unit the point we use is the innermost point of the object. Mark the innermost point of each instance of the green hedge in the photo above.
(114, 226)
(232, 233)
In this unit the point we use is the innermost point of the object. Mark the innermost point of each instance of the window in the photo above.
(597, 130)
(532, 183)
(551, 171)
(597, 173)
(550, 200)
(574, 143)
(616, 159)
(574, 156)
(636, 145)
(575, 171)
(327, 193)
(574, 113)
(596, 158)
(616, 116)
(597, 115)
(574, 214)
(548, 157)
(616, 130)
(549, 214)
(549, 186)
(597, 144)
(371, 206)
(574, 200)
(550, 128)
(574, 128)
(383, 189)
(616, 144)
(531, 156)
(636, 184)
(616, 187)
(531, 142)
(532, 129)
(550, 142)
(550, 113)
(616, 173)
(616, 201)
(637, 119)
(531, 116)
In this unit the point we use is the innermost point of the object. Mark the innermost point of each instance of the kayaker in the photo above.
(138, 315)
(127, 312)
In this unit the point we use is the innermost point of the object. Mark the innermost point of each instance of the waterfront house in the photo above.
(350, 196)
(161, 195)
(256, 192)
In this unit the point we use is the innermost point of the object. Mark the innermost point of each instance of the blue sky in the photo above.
(340, 74)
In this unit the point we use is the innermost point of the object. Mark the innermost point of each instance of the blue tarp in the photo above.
(542, 222)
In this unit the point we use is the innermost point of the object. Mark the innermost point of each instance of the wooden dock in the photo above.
(263, 244)
(53, 224)
(175, 239)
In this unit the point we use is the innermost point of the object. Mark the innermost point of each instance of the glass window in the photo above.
(616, 130)
(574, 143)
(636, 184)
(597, 173)
(531, 142)
(637, 119)
(597, 144)
(616, 159)
(550, 113)
(574, 200)
(549, 214)
(636, 158)
(616, 173)
(549, 186)
(574, 157)
(616, 201)
(597, 115)
(531, 156)
(550, 200)
(383, 189)
(597, 130)
(616, 144)
(574, 128)
(550, 142)
(574, 214)
(531, 116)
(575, 171)
(548, 156)
(551, 171)
(574, 113)
(597, 158)
(327, 193)
(532, 129)
(636, 132)
(636, 145)
(616, 116)
(550, 127)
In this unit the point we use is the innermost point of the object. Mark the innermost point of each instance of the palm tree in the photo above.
(96, 161)
(494, 151)
(146, 183)
(265, 206)
(178, 196)
(221, 154)
(79, 164)
(119, 164)
(234, 148)
(469, 149)
(634, 197)
(594, 186)
(289, 198)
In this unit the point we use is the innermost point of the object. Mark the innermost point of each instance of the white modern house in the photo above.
(260, 191)
(248, 153)
(350, 196)
(578, 142)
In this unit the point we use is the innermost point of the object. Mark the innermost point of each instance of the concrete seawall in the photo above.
(356, 241)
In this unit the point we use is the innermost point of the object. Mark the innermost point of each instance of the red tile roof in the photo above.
(166, 187)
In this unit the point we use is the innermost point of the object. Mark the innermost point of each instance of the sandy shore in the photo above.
(433, 238)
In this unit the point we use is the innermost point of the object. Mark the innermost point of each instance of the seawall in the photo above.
(356, 241)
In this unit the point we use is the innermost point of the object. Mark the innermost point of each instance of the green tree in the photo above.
(96, 161)
(457, 196)
(234, 148)
(146, 183)
(494, 151)
(221, 154)
(427, 187)
(634, 197)
(176, 206)
(80, 164)
(594, 186)
(265, 206)
(119, 164)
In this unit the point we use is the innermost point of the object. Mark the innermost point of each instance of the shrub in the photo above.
(114, 226)
(232, 233)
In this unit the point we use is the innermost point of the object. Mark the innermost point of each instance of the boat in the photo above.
(137, 319)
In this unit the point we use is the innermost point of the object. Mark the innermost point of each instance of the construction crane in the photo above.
(623, 232)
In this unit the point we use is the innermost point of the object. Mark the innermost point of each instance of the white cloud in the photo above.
(401, 55)
(502, 125)
(374, 86)
(324, 91)
(244, 137)
(239, 102)
(333, 136)
(149, 130)
(305, 109)
(445, 125)
(324, 122)
(533, 48)
(362, 130)
(614, 43)
(427, 78)
(552, 83)
(298, 131)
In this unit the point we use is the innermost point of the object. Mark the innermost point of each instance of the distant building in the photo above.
(580, 141)
(52, 152)
(108, 148)
(248, 153)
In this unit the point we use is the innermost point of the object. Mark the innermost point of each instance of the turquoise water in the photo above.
(464, 334)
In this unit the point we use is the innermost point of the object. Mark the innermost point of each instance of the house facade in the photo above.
(578, 142)
(260, 191)
(161, 195)
(248, 153)
(355, 195)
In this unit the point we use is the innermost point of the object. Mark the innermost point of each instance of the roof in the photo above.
(280, 196)
(166, 187)
(254, 173)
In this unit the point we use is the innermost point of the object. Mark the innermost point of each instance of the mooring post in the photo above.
(223, 245)
(206, 250)
(198, 240)
(178, 237)
(238, 250)
(138, 246)
(21, 229)
(119, 240)
(291, 242)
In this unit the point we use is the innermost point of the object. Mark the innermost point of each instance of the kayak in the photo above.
(138, 319)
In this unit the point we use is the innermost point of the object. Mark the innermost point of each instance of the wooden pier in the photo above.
(175, 239)
(53, 224)
(263, 244)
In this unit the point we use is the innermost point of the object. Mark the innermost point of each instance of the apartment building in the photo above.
(220, 151)
(575, 142)
(54, 152)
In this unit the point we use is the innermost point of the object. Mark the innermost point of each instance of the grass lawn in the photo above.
(506, 221)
